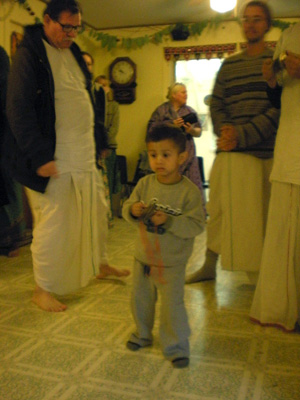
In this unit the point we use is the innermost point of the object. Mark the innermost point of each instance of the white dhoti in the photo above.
(237, 207)
(70, 223)
(277, 296)
(70, 231)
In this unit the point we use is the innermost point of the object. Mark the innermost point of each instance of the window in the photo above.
(199, 77)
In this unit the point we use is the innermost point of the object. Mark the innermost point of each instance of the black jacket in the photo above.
(4, 68)
(31, 109)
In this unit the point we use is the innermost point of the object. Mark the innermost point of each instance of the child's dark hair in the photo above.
(167, 132)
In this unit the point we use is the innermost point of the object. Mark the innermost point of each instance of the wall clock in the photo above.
(122, 74)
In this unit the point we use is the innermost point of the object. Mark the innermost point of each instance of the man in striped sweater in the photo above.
(245, 123)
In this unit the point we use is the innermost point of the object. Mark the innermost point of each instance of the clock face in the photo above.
(122, 72)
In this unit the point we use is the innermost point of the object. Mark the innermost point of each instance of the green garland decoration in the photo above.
(110, 42)
(282, 25)
(195, 29)
(27, 7)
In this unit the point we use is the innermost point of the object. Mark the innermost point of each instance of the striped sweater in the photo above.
(240, 99)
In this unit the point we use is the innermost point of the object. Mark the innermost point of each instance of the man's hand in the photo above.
(48, 170)
(292, 64)
(228, 139)
(159, 218)
(268, 73)
(137, 209)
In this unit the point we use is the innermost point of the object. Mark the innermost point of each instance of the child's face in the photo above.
(165, 160)
(104, 83)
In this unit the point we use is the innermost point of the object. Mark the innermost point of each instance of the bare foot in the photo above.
(106, 270)
(46, 301)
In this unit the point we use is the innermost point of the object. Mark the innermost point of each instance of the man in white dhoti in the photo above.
(53, 146)
(245, 123)
(277, 296)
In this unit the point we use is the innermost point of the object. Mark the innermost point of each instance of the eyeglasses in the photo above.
(69, 28)
(253, 20)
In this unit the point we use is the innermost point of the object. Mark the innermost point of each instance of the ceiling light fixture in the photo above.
(222, 6)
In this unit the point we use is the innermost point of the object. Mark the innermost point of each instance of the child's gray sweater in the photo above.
(183, 204)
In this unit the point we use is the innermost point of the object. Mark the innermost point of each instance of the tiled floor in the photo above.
(81, 355)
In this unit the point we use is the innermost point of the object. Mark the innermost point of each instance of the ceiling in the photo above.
(105, 14)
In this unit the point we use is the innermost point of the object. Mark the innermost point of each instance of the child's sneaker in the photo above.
(182, 362)
(133, 346)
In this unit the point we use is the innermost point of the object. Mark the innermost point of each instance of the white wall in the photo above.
(154, 73)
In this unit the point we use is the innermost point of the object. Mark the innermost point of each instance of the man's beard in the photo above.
(254, 40)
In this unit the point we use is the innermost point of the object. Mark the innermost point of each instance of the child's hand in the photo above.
(137, 209)
(159, 218)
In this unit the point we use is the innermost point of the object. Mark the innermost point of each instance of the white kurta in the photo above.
(70, 226)
(238, 207)
(277, 296)
(286, 153)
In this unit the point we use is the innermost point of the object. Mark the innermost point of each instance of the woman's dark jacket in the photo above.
(31, 109)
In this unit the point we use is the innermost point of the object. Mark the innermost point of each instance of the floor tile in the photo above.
(81, 354)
